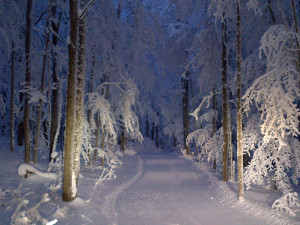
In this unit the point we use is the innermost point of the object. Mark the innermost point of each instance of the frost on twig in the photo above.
(24, 216)
(108, 172)
(285, 202)
(275, 94)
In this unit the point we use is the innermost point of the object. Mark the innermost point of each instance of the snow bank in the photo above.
(25, 169)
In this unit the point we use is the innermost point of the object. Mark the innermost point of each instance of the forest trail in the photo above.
(151, 188)
(165, 188)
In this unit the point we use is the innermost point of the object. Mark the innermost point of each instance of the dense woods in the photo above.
(214, 79)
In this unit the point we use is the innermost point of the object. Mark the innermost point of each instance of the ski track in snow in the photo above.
(109, 205)
(168, 189)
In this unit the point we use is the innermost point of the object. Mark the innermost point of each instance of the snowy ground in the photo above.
(151, 188)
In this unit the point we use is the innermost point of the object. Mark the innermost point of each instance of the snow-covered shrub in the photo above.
(34, 94)
(101, 107)
(24, 216)
(127, 114)
(275, 94)
(285, 202)
(56, 165)
(214, 147)
(210, 144)
(112, 162)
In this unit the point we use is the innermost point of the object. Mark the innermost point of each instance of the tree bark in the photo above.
(231, 169)
(98, 126)
(27, 85)
(297, 31)
(55, 95)
(271, 12)
(122, 139)
(80, 92)
(152, 132)
(12, 98)
(147, 126)
(103, 128)
(91, 87)
(185, 104)
(69, 177)
(157, 139)
(39, 113)
(224, 102)
(214, 128)
(239, 105)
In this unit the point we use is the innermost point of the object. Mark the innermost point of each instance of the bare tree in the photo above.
(27, 80)
(55, 92)
(39, 116)
(224, 102)
(12, 98)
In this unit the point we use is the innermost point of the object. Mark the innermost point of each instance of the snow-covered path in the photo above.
(151, 189)
(164, 188)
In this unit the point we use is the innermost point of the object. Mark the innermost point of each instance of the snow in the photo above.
(26, 168)
(151, 187)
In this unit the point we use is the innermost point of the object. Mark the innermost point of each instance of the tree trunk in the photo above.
(69, 177)
(185, 104)
(157, 139)
(298, 52)
(103, 145)
(174, 142)
(271, 12)
(80, 93)
(98, 126)
(239, 105)
(91, 86)
(123, 139)
(152, 132)
(224, 102)
(20, 134)
(27, 85)
(39, 113)
(230, 151)
(297, 31)
(89, 110)
(54, 111)
(214, 123)
(147, 127)
(12, 98)
(103, 128)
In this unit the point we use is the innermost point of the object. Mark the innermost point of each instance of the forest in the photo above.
(149, 112)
